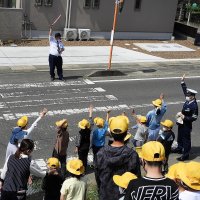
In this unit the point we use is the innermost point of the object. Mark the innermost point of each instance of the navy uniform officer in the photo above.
(188, 114)
(55, 59)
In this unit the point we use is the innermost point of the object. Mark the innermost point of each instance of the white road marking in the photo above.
(31, 93)
(143, 79)
(121, 107)
(59, 101)
(72, 138)
(99, 89)
(46, 84)
(89, 82)
(111, 97)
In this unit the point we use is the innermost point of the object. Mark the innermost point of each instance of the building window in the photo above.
(87, 3)
(48, 2)
(138, 4)
(95, 4)
(1, 3)
(38, 2)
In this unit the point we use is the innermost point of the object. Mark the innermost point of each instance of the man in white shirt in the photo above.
(55, 59)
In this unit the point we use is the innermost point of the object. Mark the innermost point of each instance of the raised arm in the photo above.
(135, 116)
(183, 85)
(50, 31)
(108, 115)
(41, 115)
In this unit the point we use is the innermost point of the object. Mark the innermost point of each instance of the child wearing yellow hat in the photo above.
(153, 185)
(142, 130)
(99, 134)
(154, 117)
(166, 137)
(61, 144)
(123, 181)
(83, 139)
(52, 182)
(187, 176)
(21, 132)
(116, 158)
(74, 188)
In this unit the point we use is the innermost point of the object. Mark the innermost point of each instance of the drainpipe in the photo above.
(70, 9)
(67, 14)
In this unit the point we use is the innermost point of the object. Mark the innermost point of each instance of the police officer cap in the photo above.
(191, 92)
(57, 35)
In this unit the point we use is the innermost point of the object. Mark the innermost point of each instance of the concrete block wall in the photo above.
(10, 23)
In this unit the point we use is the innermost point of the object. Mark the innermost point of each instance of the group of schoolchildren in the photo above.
(116, 161)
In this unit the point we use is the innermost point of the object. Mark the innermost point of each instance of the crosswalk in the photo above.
(25, 97)
(61, 98)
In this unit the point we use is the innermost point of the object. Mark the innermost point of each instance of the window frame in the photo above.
(48, 4)
(38, 3)
(87, 6)
(138, 4)
(95, 6)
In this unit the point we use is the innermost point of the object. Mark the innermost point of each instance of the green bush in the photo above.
(92, 193)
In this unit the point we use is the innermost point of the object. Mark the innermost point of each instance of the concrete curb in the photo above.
(101, 66)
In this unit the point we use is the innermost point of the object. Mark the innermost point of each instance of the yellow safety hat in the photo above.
(23, 121)
(190, 174)
(153, 151)
(138, 150)
(125, 118)
(53, 162)
(143, 119)
(62, 123)
(173, 172)
(168, 123)
(127, 136)
(123, 180)
(119, 124)
(157, 102)
(83, 124)
(75, 166)
(99, 121)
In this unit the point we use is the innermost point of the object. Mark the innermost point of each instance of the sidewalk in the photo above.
(78, 57)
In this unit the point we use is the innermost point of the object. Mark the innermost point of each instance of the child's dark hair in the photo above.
(26, 145)
(75, 176)
(155, 163)
(119, 137)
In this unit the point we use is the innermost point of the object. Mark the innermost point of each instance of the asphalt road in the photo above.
(27, 93)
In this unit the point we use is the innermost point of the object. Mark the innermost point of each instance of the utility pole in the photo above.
(113, 32)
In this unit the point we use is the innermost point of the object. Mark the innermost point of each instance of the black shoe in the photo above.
(52, 78)
(61, 79)
(183, 158)
(179, 151)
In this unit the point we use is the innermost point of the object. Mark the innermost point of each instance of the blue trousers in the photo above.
(184, 139)
(55, 62)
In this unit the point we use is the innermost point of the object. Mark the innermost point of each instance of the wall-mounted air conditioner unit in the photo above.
(70, 34)
(84, 34)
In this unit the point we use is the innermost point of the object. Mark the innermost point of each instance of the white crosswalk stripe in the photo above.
(46, 84)
(32, 93)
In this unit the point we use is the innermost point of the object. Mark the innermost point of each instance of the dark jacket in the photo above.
(111, 161)
(83, 139)
(190, 109)
(51, 184)
(166, 138)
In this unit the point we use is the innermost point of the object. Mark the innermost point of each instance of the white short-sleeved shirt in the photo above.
(187, 195)
(53, 46)
(73, 189)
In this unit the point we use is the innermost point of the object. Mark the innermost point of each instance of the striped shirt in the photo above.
(17, 174)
